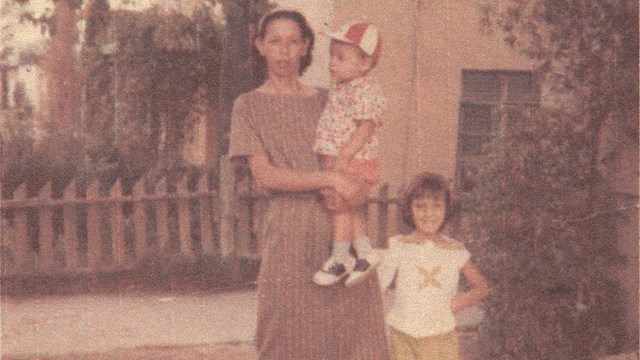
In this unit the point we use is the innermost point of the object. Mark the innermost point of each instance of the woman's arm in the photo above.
(276, 178)
(479, 288)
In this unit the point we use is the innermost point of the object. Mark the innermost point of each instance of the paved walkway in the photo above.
(100, 323)
(213, 326)
(130, 326)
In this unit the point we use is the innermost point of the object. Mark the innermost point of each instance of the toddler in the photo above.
(427, 266)
(347, 142)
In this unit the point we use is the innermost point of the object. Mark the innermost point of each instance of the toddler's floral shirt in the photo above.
(359, 99)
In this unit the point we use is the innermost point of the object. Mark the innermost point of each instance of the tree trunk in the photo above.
(235, 77)
(62, 69)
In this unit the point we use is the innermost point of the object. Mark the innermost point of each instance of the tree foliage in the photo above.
(541, 212)
(546, 242)
(145, 73)
(147, 77)
(39, 147)
(587, 51)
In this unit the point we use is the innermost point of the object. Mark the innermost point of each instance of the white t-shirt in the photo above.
(427, 279)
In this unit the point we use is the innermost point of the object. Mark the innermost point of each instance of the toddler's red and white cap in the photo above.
(364, 35)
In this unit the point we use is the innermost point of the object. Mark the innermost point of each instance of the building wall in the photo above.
(449, 40)
(426, 46)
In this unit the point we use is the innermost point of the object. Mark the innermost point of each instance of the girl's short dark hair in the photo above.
(305, 31)
(423, 184)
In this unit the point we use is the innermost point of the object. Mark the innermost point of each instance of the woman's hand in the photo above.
(341, 165)
(349, 189)
(271, 177)
(329, 199)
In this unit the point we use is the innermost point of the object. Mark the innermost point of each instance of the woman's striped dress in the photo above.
(297, 319)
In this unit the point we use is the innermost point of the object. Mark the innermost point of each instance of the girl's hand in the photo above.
(456, 304)
(478, 288)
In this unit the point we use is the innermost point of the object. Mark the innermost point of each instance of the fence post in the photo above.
(206, 204)
(22, 248)
(139, 220)
(227, 207)
(162, 217)
(70, 235)
(184, 220)
(8, 238)
(383, 215)
(118, 246)
(46, 235)
(244, 217)
(227, 223)
(94, 246)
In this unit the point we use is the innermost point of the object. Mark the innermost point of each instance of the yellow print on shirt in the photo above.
(430, 277)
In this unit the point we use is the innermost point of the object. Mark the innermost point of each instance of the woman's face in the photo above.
(283, 47)
(429, 213)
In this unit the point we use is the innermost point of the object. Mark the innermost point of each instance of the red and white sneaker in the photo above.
(363, 267)
(332, 272)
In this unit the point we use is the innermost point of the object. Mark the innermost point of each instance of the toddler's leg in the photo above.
(338, 265)
(342, 235)
(367, 259)
(362, 243)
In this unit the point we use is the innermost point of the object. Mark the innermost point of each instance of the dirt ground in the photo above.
(231, 351)
(181, 294)
(228, 351)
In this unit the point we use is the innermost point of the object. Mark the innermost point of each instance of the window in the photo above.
(487, 97)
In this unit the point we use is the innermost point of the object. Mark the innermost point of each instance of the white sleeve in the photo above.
(464, 257)
(388, 266)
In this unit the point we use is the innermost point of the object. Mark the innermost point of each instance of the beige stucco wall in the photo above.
(449, 40)
(426, 46)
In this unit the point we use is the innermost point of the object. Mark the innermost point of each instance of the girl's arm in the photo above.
(386, 271)
(275, 178)
(364, 131)
(479, 288)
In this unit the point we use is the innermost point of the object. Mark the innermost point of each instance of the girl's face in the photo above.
(347, 62)
(428, 213)
(283, 47)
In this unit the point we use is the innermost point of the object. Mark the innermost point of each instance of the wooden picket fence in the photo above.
(96, 233)
(108, 231)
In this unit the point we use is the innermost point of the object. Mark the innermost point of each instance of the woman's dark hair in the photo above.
(426, 183)
(305, 31)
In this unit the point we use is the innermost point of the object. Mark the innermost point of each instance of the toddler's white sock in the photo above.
(362, 246)
(340, 251)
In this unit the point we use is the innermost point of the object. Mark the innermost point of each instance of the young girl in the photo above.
(347, 142)
(427, 265)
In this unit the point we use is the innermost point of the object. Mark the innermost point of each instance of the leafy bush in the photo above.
(547, 243)
(542, 213)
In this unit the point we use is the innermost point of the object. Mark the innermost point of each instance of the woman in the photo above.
(273, 127)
